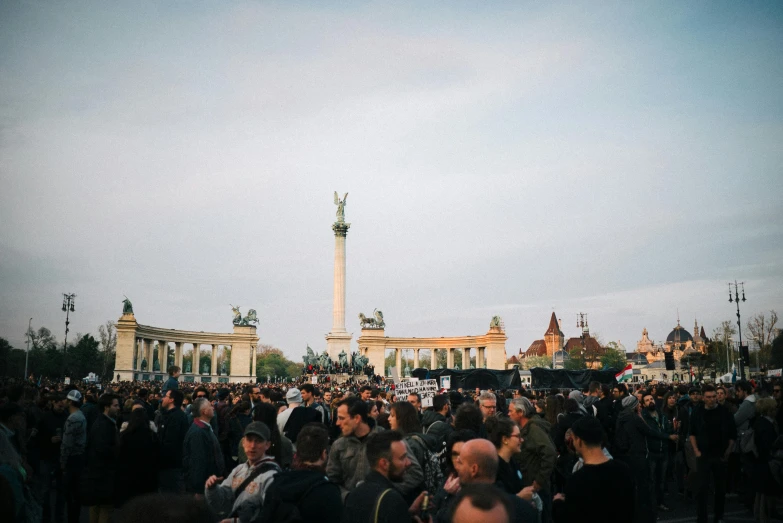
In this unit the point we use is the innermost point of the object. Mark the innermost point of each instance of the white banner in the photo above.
(775, 373)
(426, 389)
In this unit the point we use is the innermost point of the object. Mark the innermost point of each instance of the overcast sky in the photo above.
(513, 159)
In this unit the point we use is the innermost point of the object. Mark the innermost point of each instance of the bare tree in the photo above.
(108, 336)
(108, 339)
(762, 328)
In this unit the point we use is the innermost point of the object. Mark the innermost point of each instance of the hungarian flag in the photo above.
(625, 374)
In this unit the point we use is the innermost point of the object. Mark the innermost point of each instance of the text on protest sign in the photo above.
(426, 389)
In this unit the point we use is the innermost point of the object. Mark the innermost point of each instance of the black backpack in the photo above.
(280, 510)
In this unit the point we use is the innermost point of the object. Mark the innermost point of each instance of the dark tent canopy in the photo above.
(543, 378)
(473, 378)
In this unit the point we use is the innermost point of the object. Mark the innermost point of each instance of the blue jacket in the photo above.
(171, 384)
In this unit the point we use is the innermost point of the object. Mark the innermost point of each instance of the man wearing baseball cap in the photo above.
(240, 496)
(72, 453)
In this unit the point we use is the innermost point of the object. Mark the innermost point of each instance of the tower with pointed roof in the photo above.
(553, 337)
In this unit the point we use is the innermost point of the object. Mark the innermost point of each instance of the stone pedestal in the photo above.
(126, 345)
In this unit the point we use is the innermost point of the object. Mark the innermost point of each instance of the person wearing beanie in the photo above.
(296, 416)
(630, 447)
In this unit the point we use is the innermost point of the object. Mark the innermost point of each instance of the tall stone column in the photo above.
(253, 363)
(148, 347)
(466, 358)
(415, 358)
(398, 361)
(449, 358)
(433, 359)
(338, 339)
(178, 354)
(213, 366)
(196, 359)
(163, 354)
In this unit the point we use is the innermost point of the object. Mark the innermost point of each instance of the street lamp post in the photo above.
(69, 306)
(736, 298)
(27, 354)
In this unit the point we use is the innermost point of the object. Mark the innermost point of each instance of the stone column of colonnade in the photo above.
(196, 359)
(213, 365)
(433, 359)
(416, 358)
(148, 346)
(164, 357)
(253, 361)
(398, 361)
(178, 354)
(449, 358)
(479, 357)
(465, 358)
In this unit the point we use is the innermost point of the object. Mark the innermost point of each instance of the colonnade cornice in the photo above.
(179, 336)
(433, 343)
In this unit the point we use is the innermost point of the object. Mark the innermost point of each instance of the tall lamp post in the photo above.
(27, 354)
(736, 298)
(69, 302)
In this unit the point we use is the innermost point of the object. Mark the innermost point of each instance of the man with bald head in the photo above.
(477, 464)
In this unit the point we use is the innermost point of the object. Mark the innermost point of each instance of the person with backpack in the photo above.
(377, 499)
(304, 493)
(240, 496)
(435, 421)
(404, 418)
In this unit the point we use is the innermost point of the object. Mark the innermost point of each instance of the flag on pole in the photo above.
(625, 374)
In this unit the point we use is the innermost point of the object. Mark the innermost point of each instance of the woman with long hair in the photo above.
(238, 419)
(404, 418)
(505, 435)
(138, 456)
(281, 448)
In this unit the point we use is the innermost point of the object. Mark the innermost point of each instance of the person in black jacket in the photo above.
(305, 489)
(138, 460)
(713, 433)
(98, 487)
(765, 434)
(171, 435)
(376, 499)
(630, 446)
(51, 430)
(201, 455)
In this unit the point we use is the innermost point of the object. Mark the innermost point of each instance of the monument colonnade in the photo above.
(135, 344)
(490, 348)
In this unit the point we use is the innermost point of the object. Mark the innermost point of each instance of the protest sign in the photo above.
(425, 388)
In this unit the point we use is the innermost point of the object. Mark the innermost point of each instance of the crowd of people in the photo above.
(300, 451)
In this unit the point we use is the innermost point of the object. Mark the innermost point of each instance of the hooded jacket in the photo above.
(745, 412)
(436, 425)
(537, 457)
(348, 466)
(310, 491)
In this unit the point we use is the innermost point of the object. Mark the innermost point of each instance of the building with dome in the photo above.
(679, 340)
